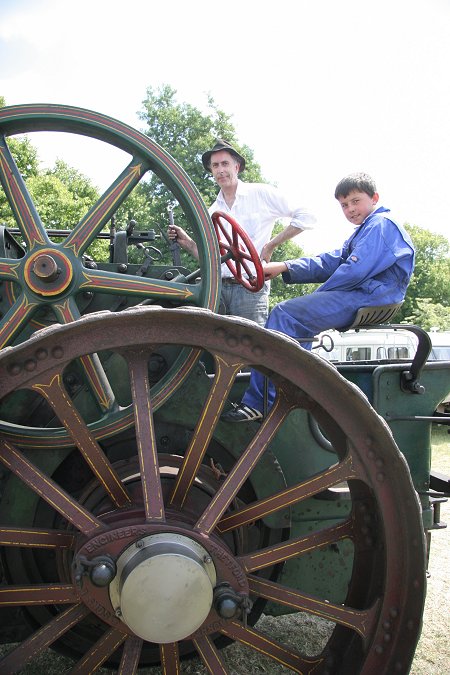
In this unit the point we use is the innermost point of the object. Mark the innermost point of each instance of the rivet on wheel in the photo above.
(15, 368)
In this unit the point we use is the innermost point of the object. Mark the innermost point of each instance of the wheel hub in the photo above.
(48, 272)
(167, 572)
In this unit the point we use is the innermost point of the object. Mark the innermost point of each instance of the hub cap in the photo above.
(171, 573)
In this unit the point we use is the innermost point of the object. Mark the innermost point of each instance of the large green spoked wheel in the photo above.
(50, 275)
(159, 552)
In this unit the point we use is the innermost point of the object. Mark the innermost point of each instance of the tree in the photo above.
(62, 195)
(26, 157)
(430, 315)
(430, 283)
(279, 291)
(186, 133)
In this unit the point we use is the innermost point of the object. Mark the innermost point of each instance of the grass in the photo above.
(433, 651)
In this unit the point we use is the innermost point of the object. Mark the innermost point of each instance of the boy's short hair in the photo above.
(361, 182)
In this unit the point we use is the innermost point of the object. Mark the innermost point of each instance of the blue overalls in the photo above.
(373, 267)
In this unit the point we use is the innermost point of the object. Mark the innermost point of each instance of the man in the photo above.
(255, 206)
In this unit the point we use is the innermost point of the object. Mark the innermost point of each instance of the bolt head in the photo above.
(102, 574)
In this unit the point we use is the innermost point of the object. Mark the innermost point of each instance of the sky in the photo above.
(317, 88)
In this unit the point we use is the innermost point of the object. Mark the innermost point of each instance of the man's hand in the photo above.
(266, 252)
(273, 269)
(286, 234)
(183, 239)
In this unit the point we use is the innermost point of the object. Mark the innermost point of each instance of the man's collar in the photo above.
(242, 189)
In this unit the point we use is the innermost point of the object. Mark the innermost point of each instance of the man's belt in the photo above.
(230, 280)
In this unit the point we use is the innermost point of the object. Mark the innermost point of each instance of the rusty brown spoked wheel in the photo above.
(239, 251)
(156, 553)
(53, 277)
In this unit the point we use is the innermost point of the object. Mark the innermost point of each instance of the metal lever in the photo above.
(173, 244)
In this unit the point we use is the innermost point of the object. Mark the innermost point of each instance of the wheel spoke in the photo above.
(99, 652)
(19, 200)
(67, 312)
(42, 639)
(244, 466)
(210, 656)
(295, 547)
(87, 229)
(222, 383)
(129, 663)
(15, 319)
(145, 437)
(325, 480)
(55, 393)
(8, 270)
(170, 659)
(36, 537)
(39, 594)
(261, 643)
(361, 621)
(241, 263)
(226, 234)
(47, 489)
(101, 281)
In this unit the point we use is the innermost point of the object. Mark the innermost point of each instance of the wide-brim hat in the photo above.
(222, 145)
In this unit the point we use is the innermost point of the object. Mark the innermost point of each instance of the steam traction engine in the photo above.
(136, 527)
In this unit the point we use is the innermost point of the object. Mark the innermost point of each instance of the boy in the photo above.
(373, 267)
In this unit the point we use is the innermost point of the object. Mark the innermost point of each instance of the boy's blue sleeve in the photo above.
(316, 269)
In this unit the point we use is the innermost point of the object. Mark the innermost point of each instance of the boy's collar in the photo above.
(379, 209)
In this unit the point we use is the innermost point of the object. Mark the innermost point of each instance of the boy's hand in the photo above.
(273, 269)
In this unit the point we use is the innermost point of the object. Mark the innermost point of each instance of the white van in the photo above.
(379, 344)
(440, 350)
(367, 345)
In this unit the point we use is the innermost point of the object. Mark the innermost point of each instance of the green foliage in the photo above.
(429, 315)
(186, 133)
(26, 158)
(62, 196)
(430, 283)
(279, 291)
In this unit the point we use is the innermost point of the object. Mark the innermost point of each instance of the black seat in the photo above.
(371, 316)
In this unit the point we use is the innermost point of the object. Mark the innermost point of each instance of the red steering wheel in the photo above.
(237, 249)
